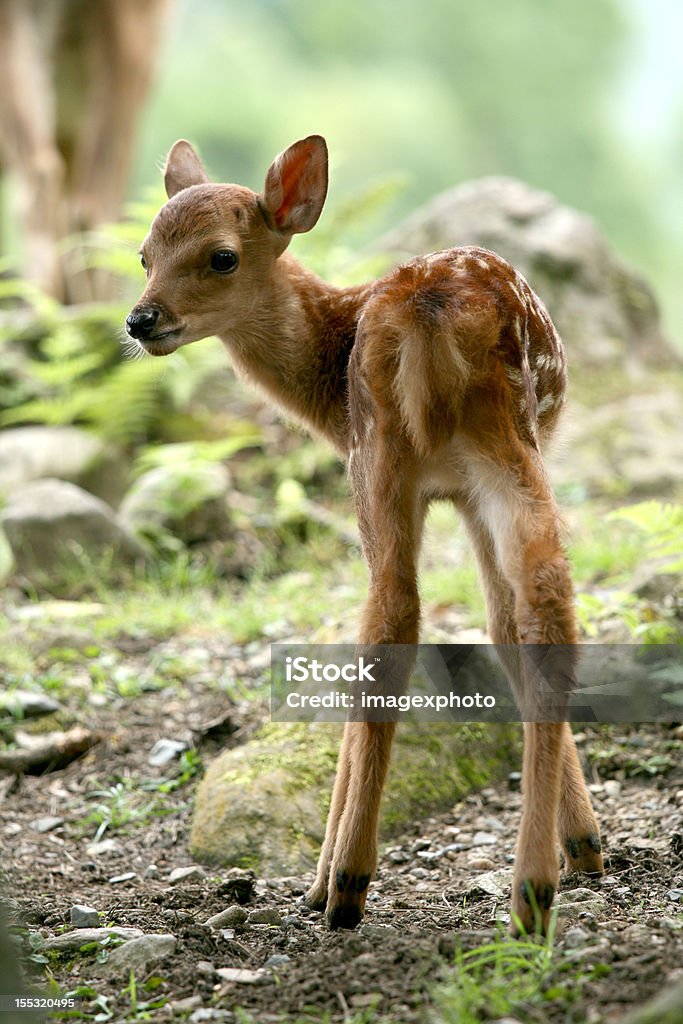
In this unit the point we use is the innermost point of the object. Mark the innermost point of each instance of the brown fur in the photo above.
(73, 78)
(442, 379)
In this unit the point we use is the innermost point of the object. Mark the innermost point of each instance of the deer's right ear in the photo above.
(296, 186)
(183, 168)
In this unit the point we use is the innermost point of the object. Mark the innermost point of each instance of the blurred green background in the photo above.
(583, 99)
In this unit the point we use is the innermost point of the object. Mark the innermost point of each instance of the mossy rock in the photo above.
(263, 805)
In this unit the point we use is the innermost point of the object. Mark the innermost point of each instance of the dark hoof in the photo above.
(344, 916)
(542, 895)
(315, 903)
(584, 854)
(351, 883)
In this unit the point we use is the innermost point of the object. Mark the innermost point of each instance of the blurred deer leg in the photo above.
(28, 149)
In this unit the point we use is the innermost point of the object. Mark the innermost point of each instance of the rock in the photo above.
(207, 1015)
(66, 453)
(54, 527)
(265, 915)
(603, 309)
(238, 810)
(84, 917)
(103, 848)
(242, 975)
(68, 942)
(574, 903)
(575, 938)
(665, 1008)
(128, 876)
(193, 873)
(635, 440)
(612, 787)
(277, 960)
(138, 954)
(232, 917)
(205, 968)
(26, 704)
(238, 885)
(48, 823)
(675, 895)
(164, 751)
(378, 932)
(183, 1006)
(6, 558)
(484, 839)
(493, 883)
(188, 501)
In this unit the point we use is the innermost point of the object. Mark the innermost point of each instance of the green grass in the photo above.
(516, 978)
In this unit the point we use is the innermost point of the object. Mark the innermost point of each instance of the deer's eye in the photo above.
(224, 261)
(143, 262)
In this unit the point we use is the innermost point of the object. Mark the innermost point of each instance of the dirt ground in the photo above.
(443, 886)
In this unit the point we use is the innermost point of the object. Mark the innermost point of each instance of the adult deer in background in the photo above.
(73, 80)
(441, 380)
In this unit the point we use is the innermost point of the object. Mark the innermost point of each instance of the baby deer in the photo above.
(441, 380)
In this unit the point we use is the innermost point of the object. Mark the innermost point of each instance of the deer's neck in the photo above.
(297, 344)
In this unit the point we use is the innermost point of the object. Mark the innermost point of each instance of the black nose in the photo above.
(141, 322)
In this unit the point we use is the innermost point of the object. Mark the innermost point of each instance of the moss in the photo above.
(264, 805)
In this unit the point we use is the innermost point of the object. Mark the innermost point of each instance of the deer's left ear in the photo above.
(296, 185)
(183, 168)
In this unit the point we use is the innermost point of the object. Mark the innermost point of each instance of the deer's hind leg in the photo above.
(515, 534)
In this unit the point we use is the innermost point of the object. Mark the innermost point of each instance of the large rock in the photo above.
(54, 528)
(67, 453)
(187, 502)
(603, 309)
(263, 805)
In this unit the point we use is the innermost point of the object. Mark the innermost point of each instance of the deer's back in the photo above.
(456, 342)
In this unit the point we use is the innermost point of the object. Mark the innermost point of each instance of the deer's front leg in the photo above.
(390, 517)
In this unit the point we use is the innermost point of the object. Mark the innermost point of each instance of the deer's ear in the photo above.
(183, 168)
(296, 186)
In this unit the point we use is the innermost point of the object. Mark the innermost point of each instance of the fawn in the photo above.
(441, 380)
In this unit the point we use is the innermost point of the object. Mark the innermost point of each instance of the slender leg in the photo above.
(577, 824)
(579, 832)
(516, 536)
(390, 516)
(317, 894)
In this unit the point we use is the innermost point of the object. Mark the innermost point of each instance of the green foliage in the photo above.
(507, 978)
(660, 526)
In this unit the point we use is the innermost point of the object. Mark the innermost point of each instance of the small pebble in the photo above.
(266, 915)
(164, 751)
(675, 895)
(576, 937)
(484, 839)
(277, 960)
(193, 873)
(117, 879)
(205, 968)
(84, 917)
(47, 823)
(231, 917)
(612, 787)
